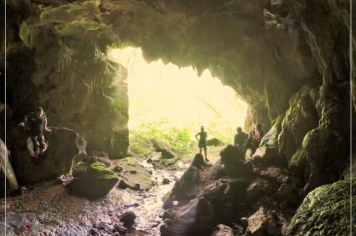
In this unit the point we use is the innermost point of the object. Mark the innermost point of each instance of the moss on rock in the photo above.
(325, 211)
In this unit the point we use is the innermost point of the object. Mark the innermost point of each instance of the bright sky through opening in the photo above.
(164, 92)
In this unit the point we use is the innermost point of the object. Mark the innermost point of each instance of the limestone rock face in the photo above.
(92, 181)
(65, 147)
(325, 211)
(11, 181)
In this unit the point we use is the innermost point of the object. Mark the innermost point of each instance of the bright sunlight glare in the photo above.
(178, 96)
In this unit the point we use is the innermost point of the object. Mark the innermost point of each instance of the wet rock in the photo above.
(11, 181)
(128, 218)
(65, 148)
(126, 184)
(324, 210)
(93, 181)
(194, 218)
(213, 142)
(117, 169)
(165, 181)
(162, 147)
(101, 157)
(223, 230)
(120, 229)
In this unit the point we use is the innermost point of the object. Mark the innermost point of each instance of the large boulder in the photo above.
(187, 186)
(92, 181)
(267, 156)
(262, 223)
(233, 159)
(65, 147)
(194, 218)
(162, 147)
(6, 170)
(102, 157)
(325, 211)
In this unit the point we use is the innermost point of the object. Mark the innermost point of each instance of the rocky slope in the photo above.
(288, 59)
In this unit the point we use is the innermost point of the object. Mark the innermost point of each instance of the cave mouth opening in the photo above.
(170, 104)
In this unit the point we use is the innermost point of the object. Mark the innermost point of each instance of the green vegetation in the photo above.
(179, 139)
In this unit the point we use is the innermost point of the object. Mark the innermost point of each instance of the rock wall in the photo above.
(288, 59)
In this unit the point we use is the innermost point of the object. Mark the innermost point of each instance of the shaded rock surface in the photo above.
(65, 148)
(92, 181)
(325, 211)
(11, 181)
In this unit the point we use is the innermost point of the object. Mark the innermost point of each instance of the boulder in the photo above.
(262, 223)
(289, 193)
(194, 218)
(133, 175)
(223, 230)
(268, 156)
(217, 170)
(325, 211)
(186, 187)
(65, 147)
(162, 147)
(258, 189)
(102, 157)
(233, 159)
(213, 142)
(92, 181)
(128, 218)
(11, 181)
(198, 161)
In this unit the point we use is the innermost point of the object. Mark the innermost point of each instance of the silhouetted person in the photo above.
(240, 138)
(254, 138)
(36, 122)
(202, 141)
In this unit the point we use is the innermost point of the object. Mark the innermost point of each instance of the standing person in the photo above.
(36, 122)
(202, 141)
(240, 138)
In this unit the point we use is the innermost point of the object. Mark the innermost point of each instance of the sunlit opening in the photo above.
(177, 97)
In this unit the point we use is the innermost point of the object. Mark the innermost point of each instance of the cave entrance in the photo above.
(170, 104)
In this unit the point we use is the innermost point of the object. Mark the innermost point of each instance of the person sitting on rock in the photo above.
(254, 138)
(240, 138)
(36, 122)
(202, 141)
